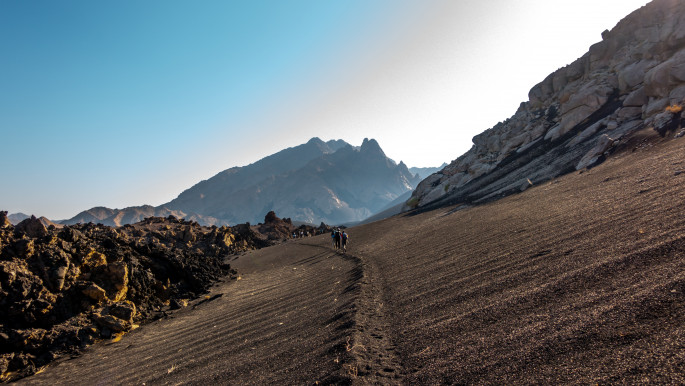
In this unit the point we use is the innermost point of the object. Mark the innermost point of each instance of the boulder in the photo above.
(665, 121)
(124, 310)
(94, 259)
(660, 80)
(31, 227)
(655, 106)
(677, 95)
(633, 74)
(4, 221)
(637, 98)
(271, 217)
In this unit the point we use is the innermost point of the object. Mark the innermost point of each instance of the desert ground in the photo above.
(577, 280)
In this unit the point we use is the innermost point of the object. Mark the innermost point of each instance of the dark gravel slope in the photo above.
(581, 279)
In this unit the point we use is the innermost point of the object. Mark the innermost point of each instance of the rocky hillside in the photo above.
(631, 81)
(64, 289)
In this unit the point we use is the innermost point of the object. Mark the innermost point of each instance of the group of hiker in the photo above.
(339, 239)
(301, 234)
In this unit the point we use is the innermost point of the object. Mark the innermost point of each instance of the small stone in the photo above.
(526, 184)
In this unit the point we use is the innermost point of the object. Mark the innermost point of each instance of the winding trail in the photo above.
(373, 352)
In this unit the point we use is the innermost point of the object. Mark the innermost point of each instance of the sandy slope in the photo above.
(579, 280)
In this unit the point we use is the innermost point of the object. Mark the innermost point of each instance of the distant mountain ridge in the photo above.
(425, 172)
(332, 182)
(134, 214)
(16, 218)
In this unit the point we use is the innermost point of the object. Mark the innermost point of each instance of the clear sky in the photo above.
(122, 103)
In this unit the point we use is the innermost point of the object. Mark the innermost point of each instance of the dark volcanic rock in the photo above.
(31, 227)
(275, 228)
(63, 289)
(4, 221)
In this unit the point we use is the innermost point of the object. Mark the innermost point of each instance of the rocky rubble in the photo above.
(276, 229)
(633, 79)
(64, 289)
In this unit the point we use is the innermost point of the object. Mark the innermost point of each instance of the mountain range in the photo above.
(332, 182)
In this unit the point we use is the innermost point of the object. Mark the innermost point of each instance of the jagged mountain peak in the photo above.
(371, 145)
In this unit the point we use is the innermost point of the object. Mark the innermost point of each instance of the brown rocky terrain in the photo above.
(277, 230)
(578, 280)
(64, 289)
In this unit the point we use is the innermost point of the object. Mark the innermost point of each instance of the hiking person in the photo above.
(333, 237)
(337, 239)
(345, 237)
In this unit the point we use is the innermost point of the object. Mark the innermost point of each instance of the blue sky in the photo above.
(121, 103)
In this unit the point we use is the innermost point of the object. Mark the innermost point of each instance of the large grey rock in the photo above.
(677, 95)
(636, 98)
(633, 74)
(581, 105)
(660, 80)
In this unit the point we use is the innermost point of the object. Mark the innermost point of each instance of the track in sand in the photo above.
(579, 280)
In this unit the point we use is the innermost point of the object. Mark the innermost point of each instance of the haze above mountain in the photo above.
(332, 181)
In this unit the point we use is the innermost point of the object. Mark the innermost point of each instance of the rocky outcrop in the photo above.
(4, 221)
(64, 289)
(276, 228)
(633, 79)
